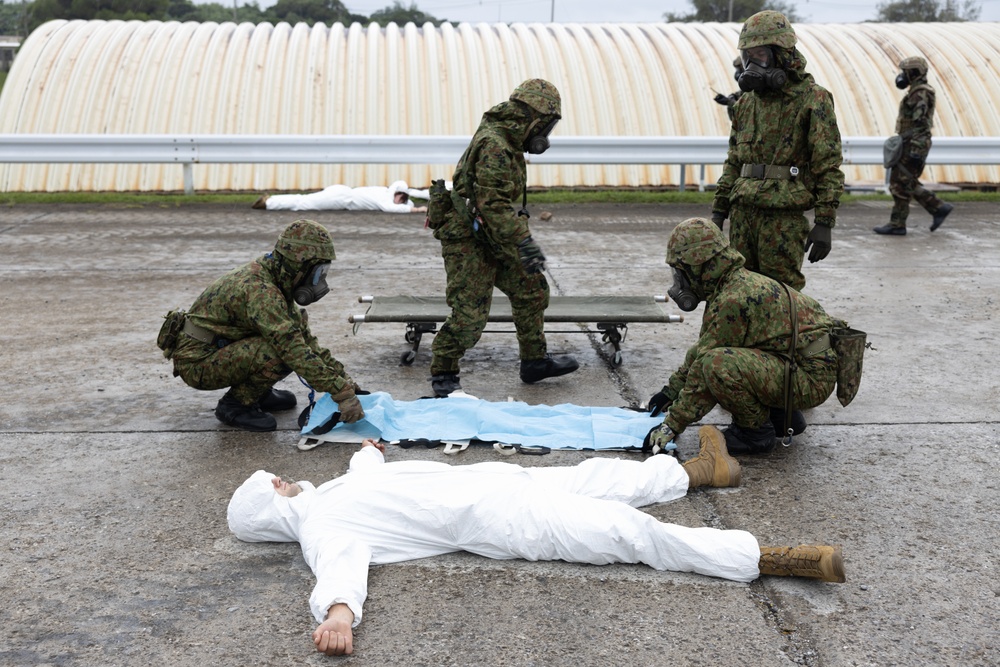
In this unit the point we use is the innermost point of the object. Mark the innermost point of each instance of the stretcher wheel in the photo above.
(406, 359)
(616, 360)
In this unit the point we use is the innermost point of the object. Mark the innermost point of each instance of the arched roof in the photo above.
(616, 79)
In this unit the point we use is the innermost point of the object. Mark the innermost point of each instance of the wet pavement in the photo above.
(116, 475)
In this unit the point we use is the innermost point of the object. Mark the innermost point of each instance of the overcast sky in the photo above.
(601, 11)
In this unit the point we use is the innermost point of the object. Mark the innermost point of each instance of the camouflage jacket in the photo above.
(494, 165)
(916, 116)
(796, 126)
(255, 300)
(744, 310)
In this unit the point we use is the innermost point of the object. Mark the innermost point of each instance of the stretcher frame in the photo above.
(610, 314)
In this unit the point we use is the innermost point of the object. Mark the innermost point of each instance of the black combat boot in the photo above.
(798, 423)
(534, 370)
(276, 400)
(444, 384)
(247, 417)
(740, 440)
(940, 215)
(891, 230)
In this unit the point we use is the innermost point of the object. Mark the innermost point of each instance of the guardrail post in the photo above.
(701, 179)
(680, 185)
(188, 179)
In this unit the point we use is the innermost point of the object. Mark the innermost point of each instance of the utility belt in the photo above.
(775, 171)
(204, 335)
(818, 346)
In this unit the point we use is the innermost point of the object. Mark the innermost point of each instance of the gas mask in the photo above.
(682, 293)
(313, 287)
(759, 71)
(903, 80)
(537, 137)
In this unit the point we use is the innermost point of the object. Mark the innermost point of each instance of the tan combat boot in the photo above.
(825, 563)
(713, 466)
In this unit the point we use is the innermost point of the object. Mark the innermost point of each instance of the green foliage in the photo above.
(718, 10)
(311, 12)
(401, 15)
(14, 18)
(928, 11)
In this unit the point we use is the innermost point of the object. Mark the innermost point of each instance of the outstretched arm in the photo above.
(334, 636)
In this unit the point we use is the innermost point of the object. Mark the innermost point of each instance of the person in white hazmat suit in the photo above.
(390, 512)
(393, 199)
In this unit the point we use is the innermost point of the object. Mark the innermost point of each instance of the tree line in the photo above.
(20, 18)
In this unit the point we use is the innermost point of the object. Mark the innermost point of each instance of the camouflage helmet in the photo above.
(914, 62)
(540, 95)
(767, 28)
(694, 242)
(304, 241)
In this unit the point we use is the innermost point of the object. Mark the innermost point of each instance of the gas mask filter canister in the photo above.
(681, 292)
(313, 287)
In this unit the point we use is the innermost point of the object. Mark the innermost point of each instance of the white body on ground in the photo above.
(344, 198)
(391, 512)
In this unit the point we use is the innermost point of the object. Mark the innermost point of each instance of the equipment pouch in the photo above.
(173, 322)
(849, 344)
(439, 206)
(892, 151)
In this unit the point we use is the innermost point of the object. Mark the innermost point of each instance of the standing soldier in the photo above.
(246, 332)
(913, 124)
(730, 100)
(784, 156)
(737, 360)
(486, 242)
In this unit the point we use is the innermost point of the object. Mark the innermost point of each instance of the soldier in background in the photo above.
(784, 156)
(736, 362)
(730, 100)
(913, 124)
(247, 332)
(485, 240)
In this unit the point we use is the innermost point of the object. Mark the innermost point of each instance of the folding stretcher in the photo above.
(611, 314)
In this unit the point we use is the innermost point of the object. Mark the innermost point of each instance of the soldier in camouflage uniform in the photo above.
(246, 332)
(914, 123)
(730, 100)
(784, 157)
(486, 242)
(736, 362)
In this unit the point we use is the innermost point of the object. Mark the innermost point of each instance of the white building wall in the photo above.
(616, 79)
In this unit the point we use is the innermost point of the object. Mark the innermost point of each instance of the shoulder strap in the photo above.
(790, 367)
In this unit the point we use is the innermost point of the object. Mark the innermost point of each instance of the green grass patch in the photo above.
(553, 196)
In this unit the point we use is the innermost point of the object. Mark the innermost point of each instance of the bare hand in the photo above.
(334, 635)
(368, 442)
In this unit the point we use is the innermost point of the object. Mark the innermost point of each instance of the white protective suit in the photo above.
(386, 513)
(344, 198)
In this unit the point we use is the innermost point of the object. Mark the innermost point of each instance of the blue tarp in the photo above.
(460, 418)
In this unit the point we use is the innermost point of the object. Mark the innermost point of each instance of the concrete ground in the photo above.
(116, 475)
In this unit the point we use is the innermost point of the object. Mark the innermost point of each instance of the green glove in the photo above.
(657, 439)
(820, 241)
(532, 259)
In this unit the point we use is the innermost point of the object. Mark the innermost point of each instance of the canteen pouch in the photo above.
(849, 344)
(173, 323)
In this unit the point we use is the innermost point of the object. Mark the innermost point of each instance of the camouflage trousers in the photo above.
(904, 186)
(748, 382)
(472, 272)
(250, 367)
(772, 241)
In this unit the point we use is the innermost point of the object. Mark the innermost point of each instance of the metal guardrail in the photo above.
(189, 149)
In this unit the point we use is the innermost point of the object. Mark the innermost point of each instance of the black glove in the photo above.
(819, 240)
(532, 259)
(721, 99)
(718, 219)
(659, 402)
